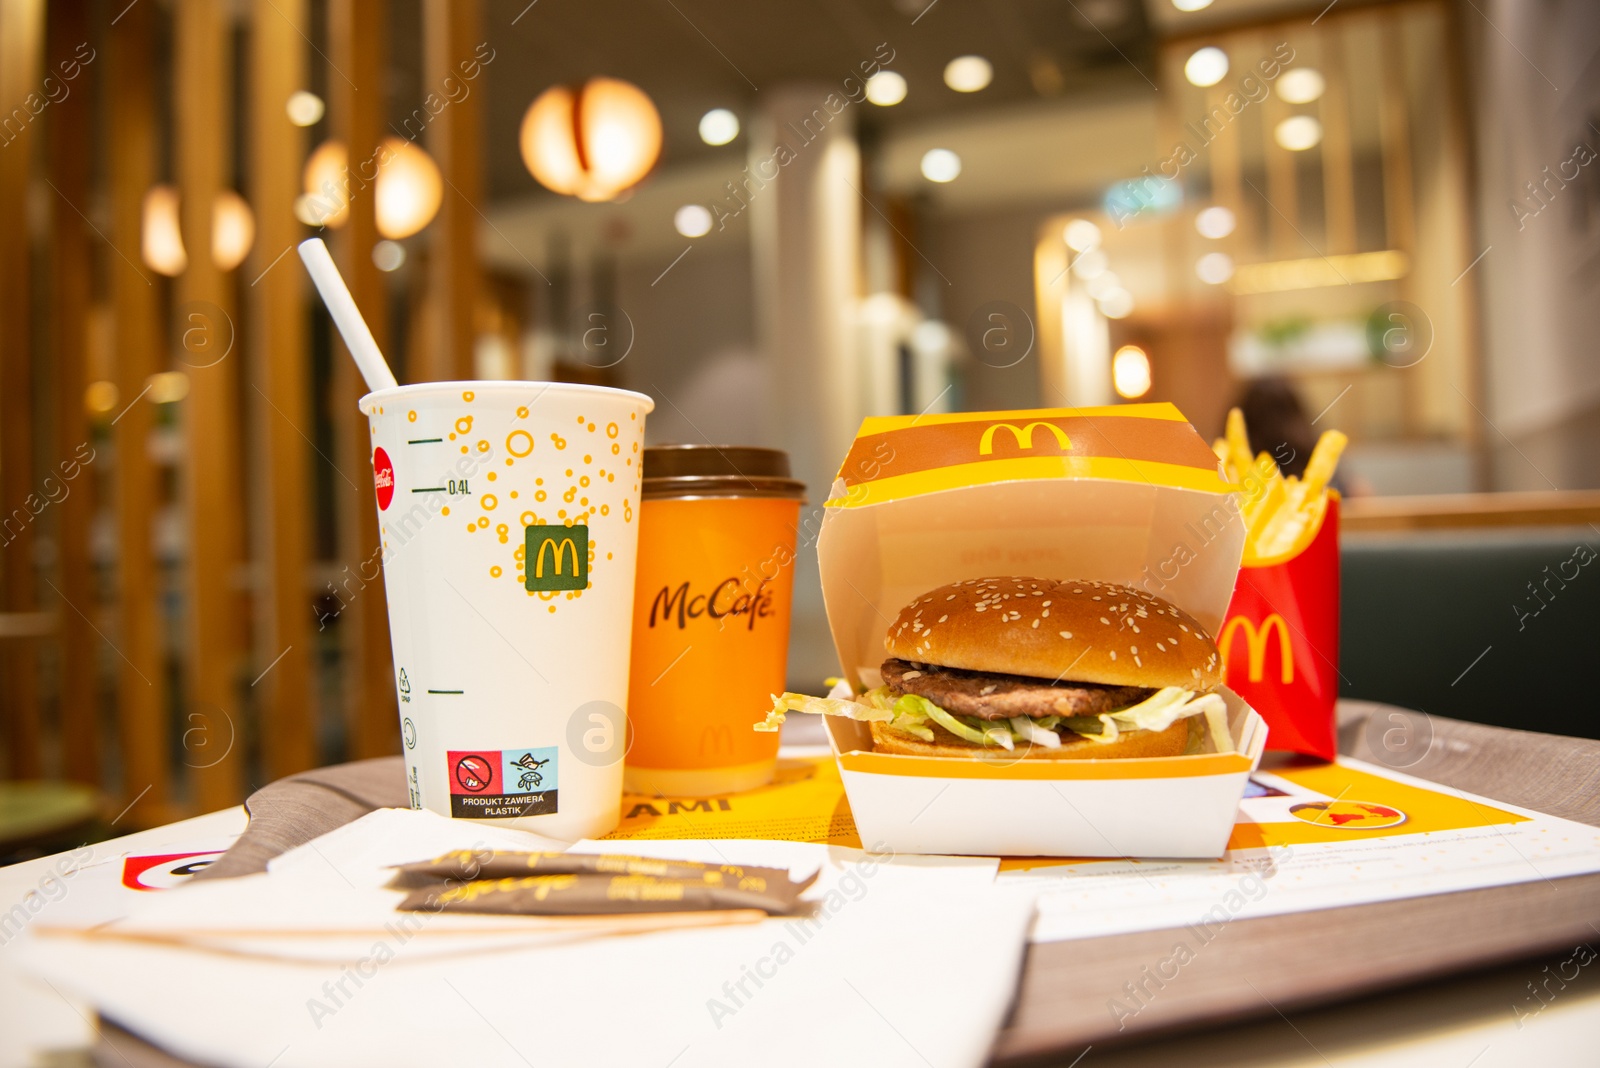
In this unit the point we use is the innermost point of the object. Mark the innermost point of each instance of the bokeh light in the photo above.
(692, 220)
(719, 126)
(886, 88)
(1207, 66)
(1130, 372)
(941, 165)
(968, 74)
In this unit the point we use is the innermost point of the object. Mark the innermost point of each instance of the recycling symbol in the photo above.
(405, 683)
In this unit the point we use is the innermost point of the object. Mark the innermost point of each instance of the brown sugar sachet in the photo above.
(596, 893)
(461, 865)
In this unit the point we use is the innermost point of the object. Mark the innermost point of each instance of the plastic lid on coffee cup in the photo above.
(718, 471)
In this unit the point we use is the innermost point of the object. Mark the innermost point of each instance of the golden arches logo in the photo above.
(559, 551)
(560, 545)
(1256, 639)
(1023, 436)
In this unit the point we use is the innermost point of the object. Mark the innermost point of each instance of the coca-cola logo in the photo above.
(383, 478)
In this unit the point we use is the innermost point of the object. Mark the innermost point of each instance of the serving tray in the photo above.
(1270, 965)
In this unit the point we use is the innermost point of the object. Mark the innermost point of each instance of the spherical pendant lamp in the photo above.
(593, 141)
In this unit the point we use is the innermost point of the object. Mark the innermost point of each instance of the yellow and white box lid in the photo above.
(1129, 494)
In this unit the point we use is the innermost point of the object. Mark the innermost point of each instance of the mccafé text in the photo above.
(729, 598)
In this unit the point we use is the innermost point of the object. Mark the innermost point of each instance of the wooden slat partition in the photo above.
(1338, 167)
(1226, 160)
(143, 720)
(357, 54)
(21, 40)
(1399, 201)
(278, 395)
(70, 253)
(1282, 192)
(214, 497)
(1394, 124)
(452, 30)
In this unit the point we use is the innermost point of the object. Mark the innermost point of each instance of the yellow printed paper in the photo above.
(1357, 803)
(1313, 837)
(805, 802)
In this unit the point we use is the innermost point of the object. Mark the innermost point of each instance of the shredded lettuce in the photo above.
(975, 735)
(1155, 713)
(1029, 730)
(1216, 713)
(784, 703)
(911, 713)
(907, 713)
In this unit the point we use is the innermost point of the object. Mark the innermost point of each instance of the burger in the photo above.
(1037, 669)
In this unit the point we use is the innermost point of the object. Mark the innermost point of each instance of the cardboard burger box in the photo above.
(1128, 494)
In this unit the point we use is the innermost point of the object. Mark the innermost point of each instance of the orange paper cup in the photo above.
(710, 618)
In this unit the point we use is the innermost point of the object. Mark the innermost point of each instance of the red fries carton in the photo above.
(1280, 641)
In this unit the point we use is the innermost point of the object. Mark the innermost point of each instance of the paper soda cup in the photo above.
(509, 518)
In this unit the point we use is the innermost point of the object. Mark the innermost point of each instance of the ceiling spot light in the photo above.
(1298, 133)
(941, 165)
(1214, 268)
(1081, 235)
(692, 220)
(886, 88)
(1191, 5)
(1130, 372)
(1301, 85)
(305, 109)
(968, 74)
(1214, 222)
(719, 126)
(1207, 66)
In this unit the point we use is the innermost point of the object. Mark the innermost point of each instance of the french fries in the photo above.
(1269, 502)
(1238, 442)
(1279, 512)
(1324, 458)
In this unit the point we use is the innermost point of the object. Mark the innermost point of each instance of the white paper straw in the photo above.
(346, 316)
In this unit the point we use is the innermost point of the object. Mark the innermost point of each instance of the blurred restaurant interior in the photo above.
(774, 219)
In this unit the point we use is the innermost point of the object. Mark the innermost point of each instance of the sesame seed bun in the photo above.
(1072, 631)
(1174, 741)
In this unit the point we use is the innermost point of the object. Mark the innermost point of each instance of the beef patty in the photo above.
(990, 696)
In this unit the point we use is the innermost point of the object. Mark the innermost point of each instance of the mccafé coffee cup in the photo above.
(710, 617)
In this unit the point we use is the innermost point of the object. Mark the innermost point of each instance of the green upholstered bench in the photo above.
(1500, 627)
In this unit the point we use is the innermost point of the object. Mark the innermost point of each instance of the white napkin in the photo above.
(908, 961)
